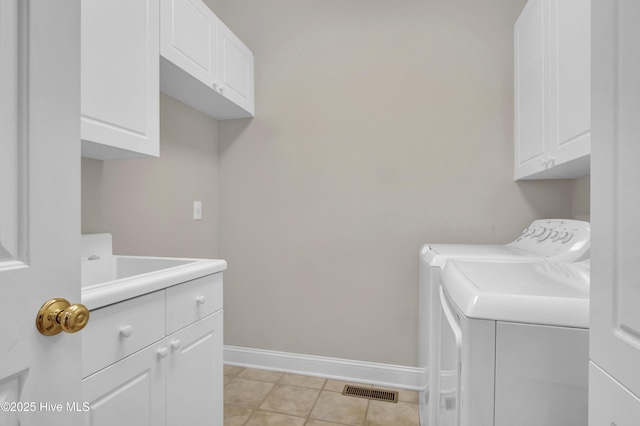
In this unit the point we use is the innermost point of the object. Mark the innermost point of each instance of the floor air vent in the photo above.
(369, 393)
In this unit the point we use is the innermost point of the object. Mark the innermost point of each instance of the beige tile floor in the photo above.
(266, 398)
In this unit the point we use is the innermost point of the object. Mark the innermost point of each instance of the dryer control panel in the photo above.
(562, 240)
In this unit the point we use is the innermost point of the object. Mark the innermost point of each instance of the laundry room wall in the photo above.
(380, 125)
(581, 200)
(147, 204)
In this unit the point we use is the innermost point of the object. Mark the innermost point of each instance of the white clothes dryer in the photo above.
(549, 240)
(521, 347)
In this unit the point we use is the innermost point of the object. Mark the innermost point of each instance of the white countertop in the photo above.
(96, 294)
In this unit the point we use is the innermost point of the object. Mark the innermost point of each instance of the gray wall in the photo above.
(380, 125)
(580, 207)
(148, 204)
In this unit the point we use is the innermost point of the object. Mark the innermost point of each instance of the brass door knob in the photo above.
(58, 315)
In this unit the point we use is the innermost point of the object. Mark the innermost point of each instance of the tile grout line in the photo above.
(253, 411)
(250, 415)
(265, 398)
(316, 401)
(366, 413)
(320, 390)
(278, 383)
(264, 410)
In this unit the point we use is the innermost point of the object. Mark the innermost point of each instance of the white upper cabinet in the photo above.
(203, 64)
(120, 78)
(570, 79)
(552, 40)
(189, 38)
(236, 69)
(530, 93)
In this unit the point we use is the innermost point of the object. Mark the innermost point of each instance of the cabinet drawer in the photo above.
(193, 300)
(118, 330)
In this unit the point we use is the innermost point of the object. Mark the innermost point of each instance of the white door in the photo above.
(39, 208)
(615, 290)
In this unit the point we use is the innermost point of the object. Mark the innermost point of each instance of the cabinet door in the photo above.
(236, 69)
(189, 38)
(611, 404)
(569, 79)
(530, 95)
(195, 374)
(615, 293)
(120, 78)
(129, 392)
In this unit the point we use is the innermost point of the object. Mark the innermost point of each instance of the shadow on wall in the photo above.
(534, 194)
(229, 131)
(92, 206)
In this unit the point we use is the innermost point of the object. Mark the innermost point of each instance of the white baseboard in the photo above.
(331, 368)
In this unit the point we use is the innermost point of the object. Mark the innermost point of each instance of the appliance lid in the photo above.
(535, 293)
(439, 254)
(551, 240)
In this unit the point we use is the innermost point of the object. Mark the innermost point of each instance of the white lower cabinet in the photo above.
(129, 392)
(157, 359)
(194, 377)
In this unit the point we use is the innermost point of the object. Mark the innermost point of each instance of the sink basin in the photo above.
(107, 278)
(102, 269)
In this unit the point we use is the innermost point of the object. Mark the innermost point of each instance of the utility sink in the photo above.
(107, 278)
(104, 269)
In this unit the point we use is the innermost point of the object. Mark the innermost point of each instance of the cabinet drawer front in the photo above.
(191, 301)
(119, 330)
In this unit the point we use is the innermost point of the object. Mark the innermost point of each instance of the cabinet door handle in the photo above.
(175, 345)
(126, 331)
(163, 352)
(544, 162)
(215, 85)
(201, 300)
(221, 89)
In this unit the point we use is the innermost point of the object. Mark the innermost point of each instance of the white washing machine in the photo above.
(550, 240)
(521, 347)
